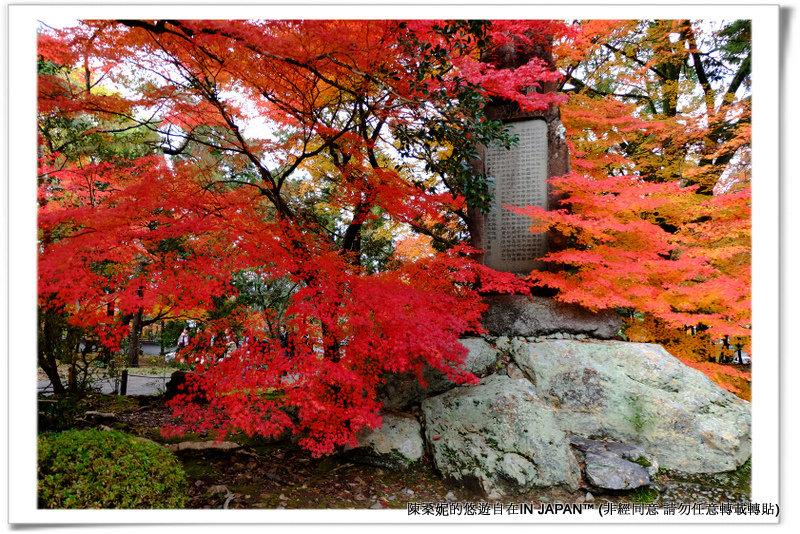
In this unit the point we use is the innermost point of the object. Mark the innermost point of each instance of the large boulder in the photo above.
(527, 316)
(401, 390)
(397, 444)
(498, 437)
(638, 393)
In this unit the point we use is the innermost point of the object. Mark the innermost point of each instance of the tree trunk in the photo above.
(49, 365)
(48, 343)
(136, 329)
(331, 345)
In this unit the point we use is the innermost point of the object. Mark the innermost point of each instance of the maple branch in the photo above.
(636, 60)
(178, 150)
(699, 69)
(581, 86)
(160, 27)
(741, 75)
(85, 231)
(436, 237)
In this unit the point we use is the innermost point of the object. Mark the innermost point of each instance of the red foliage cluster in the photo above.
(153, 197)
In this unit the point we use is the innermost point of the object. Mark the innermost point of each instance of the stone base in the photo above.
(527, 316)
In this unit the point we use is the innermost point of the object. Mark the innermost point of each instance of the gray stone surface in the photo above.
(623, 450)
(498, 437)
(401, 390)
(520, 178)
(396, 445)
(613, 465)
(609, 471)
(525, 316)
(687, 422)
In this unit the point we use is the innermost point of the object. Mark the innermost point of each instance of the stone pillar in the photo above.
(520, 174)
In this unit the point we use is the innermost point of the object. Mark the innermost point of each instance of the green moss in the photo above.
(97, 469)
(644, 494)
(641, 460)
(197, 467)
(638, 419)
(327, 464)
(740, 479)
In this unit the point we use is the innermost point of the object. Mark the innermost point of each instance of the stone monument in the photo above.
(520, 174)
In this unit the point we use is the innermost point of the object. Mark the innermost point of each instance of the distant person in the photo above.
(287, 343)
(284, 337)
(183, 342)
(183, 339)
(231, 342)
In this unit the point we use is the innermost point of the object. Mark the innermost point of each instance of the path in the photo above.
(137, 385)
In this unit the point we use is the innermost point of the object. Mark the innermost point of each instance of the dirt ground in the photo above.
(262, 474)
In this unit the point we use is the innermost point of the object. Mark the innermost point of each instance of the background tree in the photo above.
(659, 201)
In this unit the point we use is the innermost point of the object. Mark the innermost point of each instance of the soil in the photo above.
(265, 474)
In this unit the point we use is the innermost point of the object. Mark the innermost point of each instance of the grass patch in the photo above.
(644, 494)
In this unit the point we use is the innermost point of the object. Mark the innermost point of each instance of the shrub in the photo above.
(107, 469)
(57, 414)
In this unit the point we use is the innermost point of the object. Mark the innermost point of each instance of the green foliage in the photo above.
(97, 469)
(57, 414)
(644, 494)
(641, 460)
(446, 141)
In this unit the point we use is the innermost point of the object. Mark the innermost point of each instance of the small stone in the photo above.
(451, 496)
(503, 343)
(589, 497)
(544, 499)
(220, 488)
(514, 372)
(376, 506)
(391, 497)
(283, 497)
(199, 483)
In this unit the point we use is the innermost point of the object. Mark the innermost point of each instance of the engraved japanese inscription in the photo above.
(520, 176)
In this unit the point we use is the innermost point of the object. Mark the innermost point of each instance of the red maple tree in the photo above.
(366, 130)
